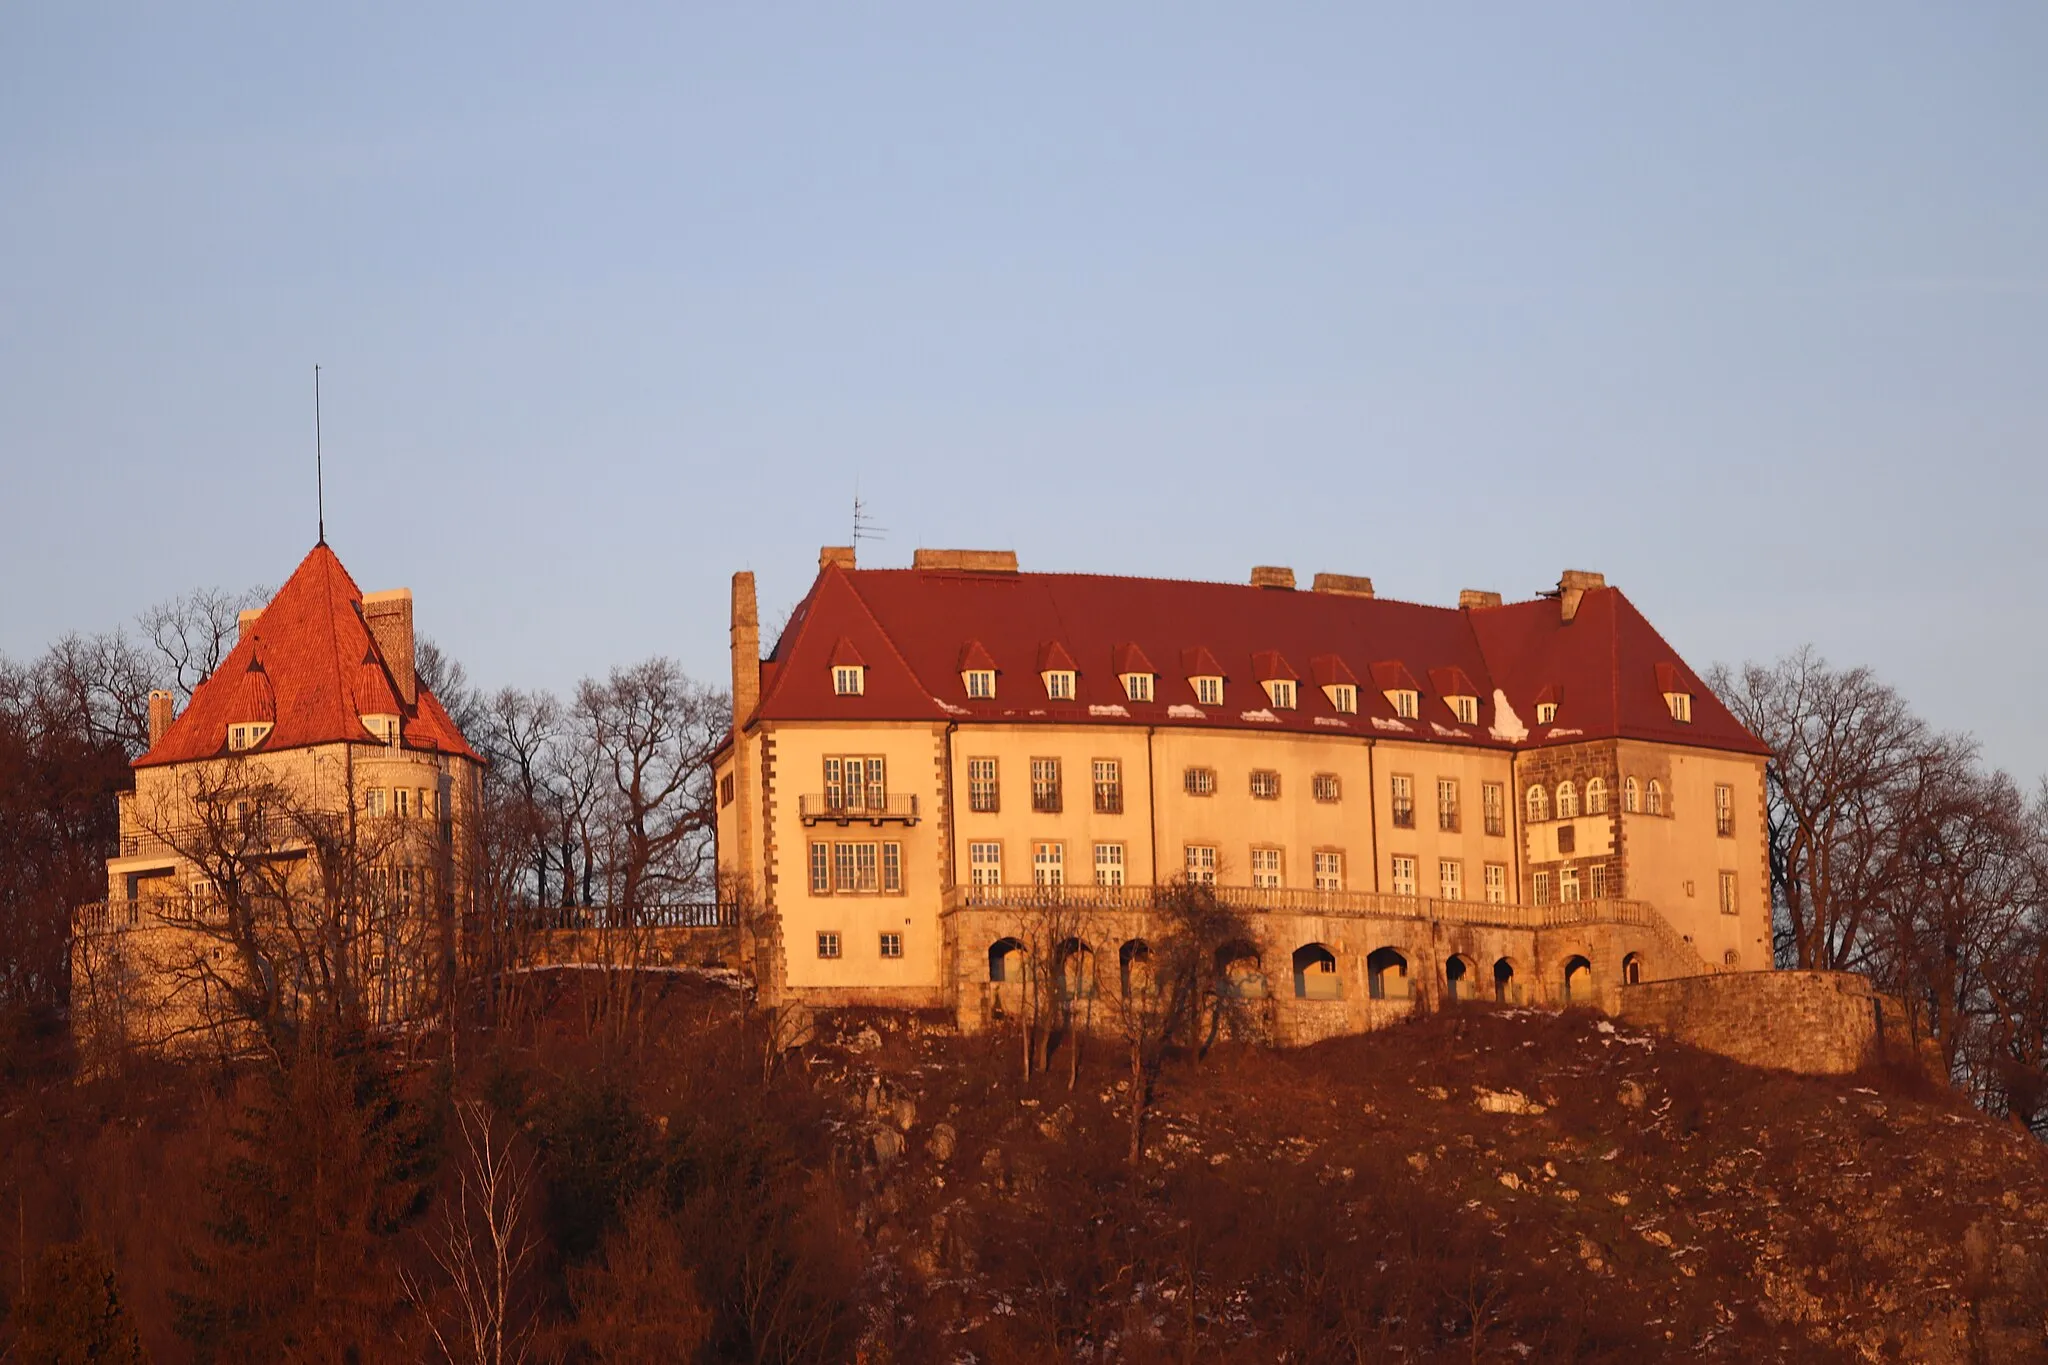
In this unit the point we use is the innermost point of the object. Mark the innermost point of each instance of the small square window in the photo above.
(892, 945)
(1343, 698)
(1266, 784)
(828, 943)
(1201, 863)
(847, 680)
(981, 683)
(1329, 870)
(1406, 704)
(1280, 692)
(1467, 709)
(1328, 787)
(1138, 686)
(1681, 706)
(1199, 781)
(1209, 691)
(1059, 685)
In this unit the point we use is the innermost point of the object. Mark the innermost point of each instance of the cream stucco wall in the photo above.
(1675, 860)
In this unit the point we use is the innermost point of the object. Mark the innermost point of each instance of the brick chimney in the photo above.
(1477, 597)
(245, 620)
(1573, 585)
(1343, 584)
(389, 617)
(842, 555)
(746, 650)
(163, 709)
(1272, 576)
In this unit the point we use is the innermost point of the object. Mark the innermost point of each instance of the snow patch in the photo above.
(1098, 709)
(951, 709)
(1337, 721)
(1262, 714)
(1182, 711)
(1507, 726)
(1388, 723)
(1560, 734)
(1449, 732)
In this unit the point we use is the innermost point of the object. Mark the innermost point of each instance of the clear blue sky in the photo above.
(1745, 305)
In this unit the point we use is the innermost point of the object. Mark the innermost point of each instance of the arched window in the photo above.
(1077, 969)
(1631, 796)
(1632, 969)
(1238, 972)
(1135, 962)
(1386, 975)
(1567, 800)
(1596, 796)
(1458, 978)
(1006, 960)
(1504, 988)
(1315, 973)
(1539, 804)
(1656, 797)
(1578, 982)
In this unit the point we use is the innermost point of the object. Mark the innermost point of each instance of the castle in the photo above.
(1532, 801)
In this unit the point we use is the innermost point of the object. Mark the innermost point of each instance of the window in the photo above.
(892, 867)
(401, 803)
(821, 869)
(1728, 893)
(1631, 796)
(1280, 692)
(858, 868)
(250, 735)
(1265, 784)
(1467, 709)
(1048, 864)
(1447, 804)
(385, 728)
(1656, 803)
(1542, 888)
(1109, 864)
(1403, 869)
(1201, 863)
(1059, 684)
(1045, 785)
(373, 802)
(1208, 691)
(1568, 884)
(1724, 811)
(1567, 801)
(1406, 704)
(1596, 796)
(1546, 712)
(985, 864)
(1539, 804)
(726, 787)
(1199, 781)
(1343, 698)
(1496, 883)
(847, 680)
(1567, 839)
(1681, 706)
(1266, 867)
(1404, 801)
(1327, 788)
(1493, 798)
(1329, 870)
(983, 791)
(981, 683)
(855, 783)
(1138, 686)
(1109, 787)
(892, 945)
(1450, 879)
(828, 943)
(1599, 882)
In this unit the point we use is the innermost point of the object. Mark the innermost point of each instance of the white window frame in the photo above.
(1109, 864)
(1268, 867)
(849, 680)
(1724, 810)
(828, 944)
(980, 683)
(1450, 811)
(1137, 686)
(1267, 778)
(1546, 712)
(1567, 885)
(1450, 879)
(1198, 781)
(1493, 801)
(984, 785)
(1343, 698)
(1281, 693)
(1208, 689)
(1466, 709)
(1327, 788)
(1048, 863)
(1406, 702)
(1329, 865)
(985, 862)
(1059, 684)
(1199, 861)
(1496, 877)
(1730, 894)
(889, 943)
(1680, 706)
(1401, 874)
(1541, 882)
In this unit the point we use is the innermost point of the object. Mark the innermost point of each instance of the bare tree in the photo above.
(484, 1247)
(193, 633)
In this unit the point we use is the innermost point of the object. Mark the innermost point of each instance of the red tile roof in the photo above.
(308, 664)
(911, 626)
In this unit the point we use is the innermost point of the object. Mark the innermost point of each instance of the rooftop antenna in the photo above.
(319, 470)
(864, 527)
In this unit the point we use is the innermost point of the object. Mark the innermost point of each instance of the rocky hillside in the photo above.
(1486, 1184)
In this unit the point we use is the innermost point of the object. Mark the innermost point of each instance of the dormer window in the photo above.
(1466, 709)
(1546, 712)
(1059, 684)
(1277, 676)
(247, 736)
(385, 728)
(1406, 704)
(1208, 689)
(1677, 693)
(1343, 698)
(1680, 706)
(1280, 692)
(981, 683)
(848, 680)
(1137, 686)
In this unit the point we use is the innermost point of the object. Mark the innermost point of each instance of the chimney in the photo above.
(244, 621)
(1343, 585)
(163, 709)
(968, 561)
(1573, 585)
(746, 650)
(1272, 576)
(842, 555)
(389, 617)
(1477, 597)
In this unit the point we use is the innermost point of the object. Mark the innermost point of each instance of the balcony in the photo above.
(850, 808)
(1305, 901)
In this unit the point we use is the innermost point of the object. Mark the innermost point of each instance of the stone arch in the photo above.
(1578, 980)
(1134, 967)
(1504, 988)
(1386, 974)
(1315, 973)
(1460, 980)
(1239, 971)
(1632, 969)
(1007, 960)
(1074, 968)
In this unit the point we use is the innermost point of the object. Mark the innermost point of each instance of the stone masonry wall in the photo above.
(1818, 1023)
